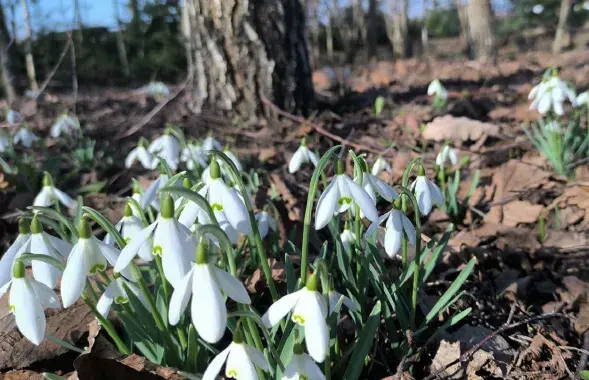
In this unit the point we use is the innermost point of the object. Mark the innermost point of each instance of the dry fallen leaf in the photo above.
(65, 324)
(294, 210)
(516, 212)
(458, 129)
(256, 282)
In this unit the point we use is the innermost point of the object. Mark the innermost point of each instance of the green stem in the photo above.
(165, 284)
(309, 210)
(108, 327)
(148, 297)
(182, 337)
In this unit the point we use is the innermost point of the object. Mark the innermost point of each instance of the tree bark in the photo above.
(480, 27)
(372, 33)
(4, 59)
(29, 62)
(120, 41)
(424, 32)
(397, 28)
(464, 32)
(560, 38)
(312, 9)
(245, 51)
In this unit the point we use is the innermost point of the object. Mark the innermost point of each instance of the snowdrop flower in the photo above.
(129, 227)
(334, 298)
(301, 366)
(223, 200)
(436, 88)
(397, 222)
(265, 223)
(141, 154)
(41, 243)
(204, 284)
(4, 140)
(538, 9)
(27, 299)
(426, 193)
(210, 143)
(302, 156)
(13, 117)
(115, 292)
(88, 257)
(151, 196)
(374, 186)
(157, 90)
(49, 194)
(379, 165)
(25, 137)
(308, 310)
(168, 148)
(583, 99)
(6, 261)
(233, 158)
(447, 153)
(239, 359)
(65, 124)
(342, 193)
(194, 155)
(551, 94)
(348, 238)
(171, 240)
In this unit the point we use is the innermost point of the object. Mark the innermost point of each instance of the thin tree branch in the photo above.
(54, 70)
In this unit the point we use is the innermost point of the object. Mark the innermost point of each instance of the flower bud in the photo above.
(24, 226)
(18, 269)
(215, 170)
(84, 229)
(167, 207)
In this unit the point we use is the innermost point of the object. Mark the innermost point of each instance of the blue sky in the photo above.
(59, 14)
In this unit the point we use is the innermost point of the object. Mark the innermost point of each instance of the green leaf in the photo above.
(452, 290)
(363, 345)
(106, 226)
(51, 213)
(378, 106)
(79, 211)
(27, 256)
(52, 376)
(584, 375)
(63, 343)
(192, 350)
(92, 188)
(192, 196)
(291, 276)
(5, 167)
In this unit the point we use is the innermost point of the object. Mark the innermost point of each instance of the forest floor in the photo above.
(530, 288)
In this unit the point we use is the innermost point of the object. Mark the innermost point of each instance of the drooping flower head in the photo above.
(7, 260)
(26, 300)
(302, 156)
(396, 225)
(339, 196)
(65, 123)
(436, 88)
(379, 165)
(116, 293)
(157, 90)
(374, 186)
(302, 366)
(141, 154)
(49, 194)
(129, 227)
(168, 148)
(309, 310)
(426, 192)
(14, 117)
(551, 94)
(583, 99)
(25, 137)
(446, 154)
(171, 241)
(239, 359)
(205, 285)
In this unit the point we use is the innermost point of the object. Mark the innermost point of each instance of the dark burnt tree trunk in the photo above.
(244, 51)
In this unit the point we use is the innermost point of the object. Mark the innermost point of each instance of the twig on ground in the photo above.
(319, 129)
(154, 111)
(468, 354)
(54, 70)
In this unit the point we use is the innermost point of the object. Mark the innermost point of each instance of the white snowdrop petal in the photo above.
(233, 207)
(216, 364)
(46, 296)
(28, 312)
(44, 272)
(106, 300)
(362, 199)
(297, 160)
(316, 331)
(73, 280)
(436, 193)
(374, 225)
(326, 205)
(7, 260)
(208, 312)
(4, 288)
(544, 104)
(131, 249)
(409, 229)
(180, 298)
(312, 157)
(280, 308)
(62, 247)
(239, 365)
(171, 240)
(131, 157)
(64, 198)
(231, 286)
(422, 193)
(45, 197)
(257, 357)
(310, 368)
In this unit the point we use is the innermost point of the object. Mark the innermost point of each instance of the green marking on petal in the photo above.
(12, 308)
(298, 319)
(217, 207)
(127, 240)
(158, 250)
(121, 300)
(303, 377)
(97, 268)
(344, 201)
(232, 373)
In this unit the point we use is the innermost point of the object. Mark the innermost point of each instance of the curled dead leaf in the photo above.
(459, 130)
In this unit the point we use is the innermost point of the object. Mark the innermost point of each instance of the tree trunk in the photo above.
(560, 38)
(29, 62)
(136, 31)
(245, 51)
(397, 28)
(185, 27)
(424, 32)
(120, 41)
(312, 12)
(464, 33)
(372, 32)
(480, 21)
(4, 59)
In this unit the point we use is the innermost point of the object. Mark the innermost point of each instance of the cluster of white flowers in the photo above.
(173, 240)
(157, 90)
